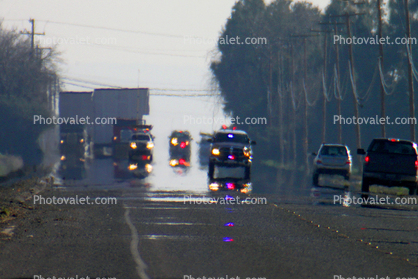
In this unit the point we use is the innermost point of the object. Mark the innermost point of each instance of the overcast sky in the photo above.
(161, 43)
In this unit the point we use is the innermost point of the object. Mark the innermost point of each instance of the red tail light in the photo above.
(182, 161)
(416, 165)
(144, 157)
(367, 159)
(183, 144)
(348, 162)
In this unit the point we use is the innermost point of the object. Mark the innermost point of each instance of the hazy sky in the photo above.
(153, 41)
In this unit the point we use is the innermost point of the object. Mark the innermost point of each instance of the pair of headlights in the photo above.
(246, 150)
(150, 145)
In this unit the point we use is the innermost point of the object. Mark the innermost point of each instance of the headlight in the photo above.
(62, 141)
(214, 186)
(216, 151)
(150, 145)
(174, 162)
(133, 145)
(174, 141)
(82, 140)
(63, 158)
(148, 168)
(132, 167)
(247, 151)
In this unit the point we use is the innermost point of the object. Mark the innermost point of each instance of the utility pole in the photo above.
(32, 34)
(352, 73)
(337, 66)
(305, 103)
(324, 103)
(380, 60)
(280, 97)
(269, 97)
(293, 107)
(410, 77)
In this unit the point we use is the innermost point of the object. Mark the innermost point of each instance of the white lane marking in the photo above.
(140, 264)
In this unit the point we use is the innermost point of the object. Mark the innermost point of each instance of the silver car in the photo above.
(334, 159)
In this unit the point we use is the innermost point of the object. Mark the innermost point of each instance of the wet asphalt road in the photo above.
(161, 228)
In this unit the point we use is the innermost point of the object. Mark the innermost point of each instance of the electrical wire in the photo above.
(337, 88)
(306, 96)
(114, 29)
(144, 52)
(324, 88)
(293, 96)
(382, 79)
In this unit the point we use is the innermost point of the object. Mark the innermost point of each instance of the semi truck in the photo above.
(110, 105)
(104, 108)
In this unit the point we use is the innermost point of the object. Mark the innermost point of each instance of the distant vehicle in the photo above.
(332, 159)
(107, 110)
(141, 147)
(74, 149)
(180, 149)
(180, 143)
(124, 162)
(126, 105)
(390, 162)
(232, 148)
(122, 136)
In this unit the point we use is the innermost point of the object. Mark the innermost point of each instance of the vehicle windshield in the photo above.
(333, 151)
(140, 137)
(230, 137)
(393, 147)
(184, 135)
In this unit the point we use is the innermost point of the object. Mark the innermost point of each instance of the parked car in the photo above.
(332, 159)
(390, 162)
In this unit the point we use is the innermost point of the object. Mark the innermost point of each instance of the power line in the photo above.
(144, 52)
(76, 82)
(120, 30)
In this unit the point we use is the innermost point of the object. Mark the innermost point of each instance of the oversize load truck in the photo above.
(112, 105)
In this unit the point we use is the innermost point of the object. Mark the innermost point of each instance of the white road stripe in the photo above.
(140, 264)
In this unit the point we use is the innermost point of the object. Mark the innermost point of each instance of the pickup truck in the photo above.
(230, 148)
(390, 162)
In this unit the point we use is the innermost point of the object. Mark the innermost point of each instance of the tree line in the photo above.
(303, 72)
(27, 75)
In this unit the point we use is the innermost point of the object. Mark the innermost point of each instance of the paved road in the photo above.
(171, 230)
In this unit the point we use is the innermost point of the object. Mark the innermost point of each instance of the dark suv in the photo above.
(230, 148)
(390, 162)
